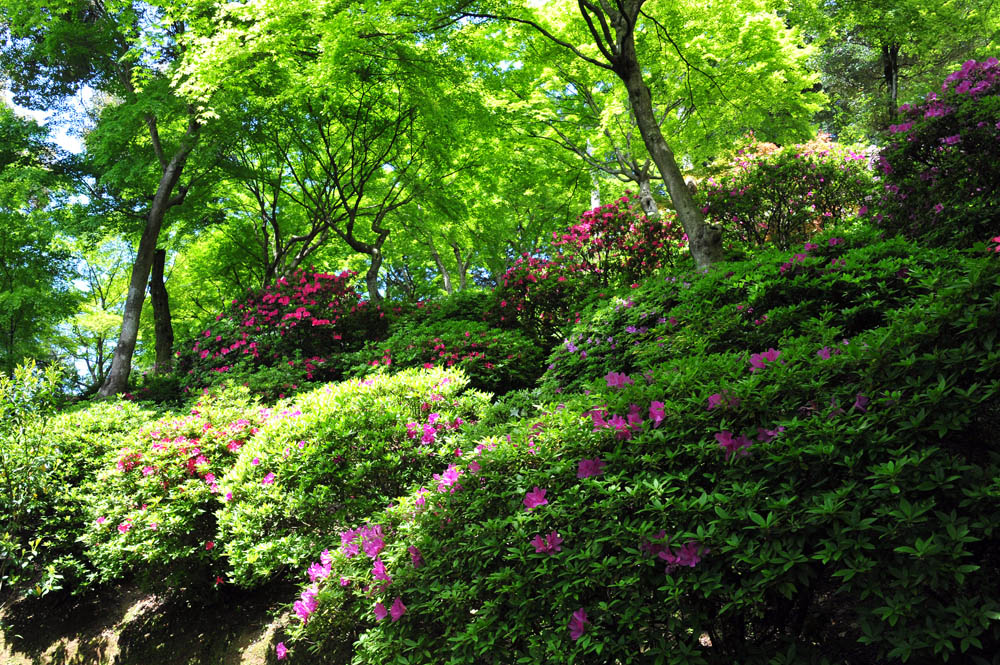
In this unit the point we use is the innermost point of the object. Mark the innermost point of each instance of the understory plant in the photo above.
(808, 501)
(940, 166)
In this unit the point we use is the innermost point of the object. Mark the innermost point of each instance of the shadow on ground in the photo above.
(124, 626)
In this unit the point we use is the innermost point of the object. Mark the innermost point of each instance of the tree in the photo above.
(35, 274)
(612, 28)
(126, 49)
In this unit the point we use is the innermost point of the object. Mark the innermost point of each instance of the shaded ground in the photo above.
(125, 626)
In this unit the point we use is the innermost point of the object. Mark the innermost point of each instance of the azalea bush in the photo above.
(617, 243)
(940, 167)
(151, 508)
(302, 320)
(494, 360)
(780, 196)
(540, 295)
(795, 504)
(835, 286)
(344, 452)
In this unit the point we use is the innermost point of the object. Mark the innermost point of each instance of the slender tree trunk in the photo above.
(161, 315)
(890, 71)
(463, 267)
(704, 240)
(371, 277)
(121, 364)
(646, 199)
(445, 277)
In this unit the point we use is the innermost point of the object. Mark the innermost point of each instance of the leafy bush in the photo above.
(835, 288)
(787, 505)
(151, 508)
(941, 163)
(345, 451)
(618, 244)
(306, 318)
(494, 360)
(782, 196)
(26, 468)
(539, 296)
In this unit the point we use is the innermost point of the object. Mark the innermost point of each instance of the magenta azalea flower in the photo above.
(307, 604)
(656, 413)
(535, 498)
(757, 360)
(577, 623)
(380, 612)
(281, 650)
(590, 467)
(617, 380)
(415, 556)
(733, 446)
(268, 479)
(861, 403)
(398, 609)
(689, 555)
(379, 572)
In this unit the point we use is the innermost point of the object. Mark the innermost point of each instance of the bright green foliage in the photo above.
(334, 456)
(941, 166)
(495, 360)
(25, 468)
(780, 196)
(852, 519)
(151, 507)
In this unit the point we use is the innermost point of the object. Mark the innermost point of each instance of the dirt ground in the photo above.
(125, 626)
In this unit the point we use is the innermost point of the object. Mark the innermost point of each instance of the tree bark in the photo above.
(371, 277)
(890, 71)
(161, 315)
(704, 240)
(121, 363)
(463, 267)
(646, 199)
(445, 276)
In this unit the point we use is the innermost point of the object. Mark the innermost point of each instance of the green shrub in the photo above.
(833, 288)
(349, 449)
(151, 508)
(940, 166)
(786, 505)
(26, 469)
(782, 196)
(494, 360)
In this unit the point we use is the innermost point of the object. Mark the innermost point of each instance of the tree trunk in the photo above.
(161, 315)
(371, 277)
(121, 364)
(646, 199)
(445, 277)
(890, 71)
(463, 267)
(704, 240)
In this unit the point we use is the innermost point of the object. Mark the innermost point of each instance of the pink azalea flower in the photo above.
(733, 446)
(372, 545)
(268, 479)
(209, 545)
(656, 413)
(380, 611)
(590, 467)
(535, 498)
(474, 467)
(415, 556)
(102, 520)
(861, 403)
(124, 527)
(577, 623)
(379, 572)
(824, 353)
(398, 609)
(255, 461)
(618, 380)
(281, 650)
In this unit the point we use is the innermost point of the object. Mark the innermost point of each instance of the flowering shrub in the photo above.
(837, 286)
(302, 320)
(617, 243)
(941, 166)
(540, 295)
(783, 196)
(746, 505)
(344, 452)
(151, 509)
(495, 360)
